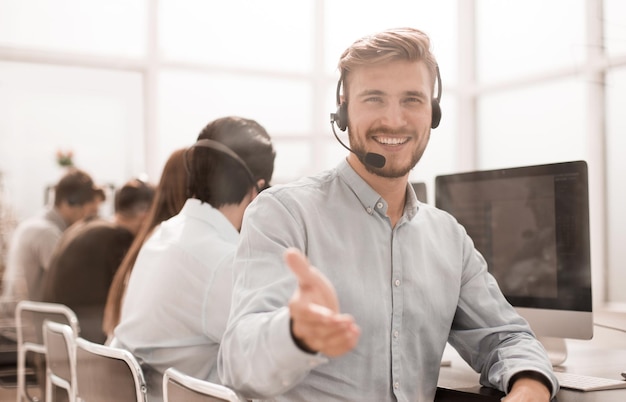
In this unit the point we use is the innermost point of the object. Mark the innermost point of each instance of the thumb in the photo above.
(299, 265)
(312, 282)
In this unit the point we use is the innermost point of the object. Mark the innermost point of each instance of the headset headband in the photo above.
(220, 147)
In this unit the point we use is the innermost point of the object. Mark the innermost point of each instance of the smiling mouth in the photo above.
(391, 140)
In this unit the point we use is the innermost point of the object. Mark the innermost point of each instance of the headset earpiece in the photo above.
(436, 114)
(341, 117)
(435, 106)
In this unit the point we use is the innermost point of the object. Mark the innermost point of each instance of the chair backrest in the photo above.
(29, 319)
(60, 342)
(104, 374)
(181, 387)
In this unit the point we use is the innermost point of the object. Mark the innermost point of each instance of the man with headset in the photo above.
(178, 296)
(386, 280)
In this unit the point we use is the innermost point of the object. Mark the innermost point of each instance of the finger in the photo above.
(335, 329)
(316, 315)
(336, 340)
(314, 286)
(341, 344)
(299, 265)
(321, 326)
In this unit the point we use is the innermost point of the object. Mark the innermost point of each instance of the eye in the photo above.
(414, 100)
(373, 99)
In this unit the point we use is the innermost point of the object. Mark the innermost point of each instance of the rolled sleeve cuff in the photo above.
(549, 381)
(295, 362)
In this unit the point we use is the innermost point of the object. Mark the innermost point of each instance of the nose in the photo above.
(393, 115)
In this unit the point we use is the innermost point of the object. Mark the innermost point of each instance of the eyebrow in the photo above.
(370, 92)
(377, 92)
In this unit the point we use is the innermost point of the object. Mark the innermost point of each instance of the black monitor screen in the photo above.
(531, 224)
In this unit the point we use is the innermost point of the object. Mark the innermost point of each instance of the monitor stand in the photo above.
(556, 348)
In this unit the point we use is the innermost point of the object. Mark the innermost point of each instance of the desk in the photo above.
(603, 356)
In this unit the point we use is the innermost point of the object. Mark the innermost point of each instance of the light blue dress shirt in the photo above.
(178, 296)
(410, 288)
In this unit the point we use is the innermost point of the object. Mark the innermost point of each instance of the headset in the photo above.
(340, 118)
(220, 147)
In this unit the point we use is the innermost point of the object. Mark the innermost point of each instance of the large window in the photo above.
(122, 83)
(531, 127)
(93, 113)
(519, 38)
(99, 28)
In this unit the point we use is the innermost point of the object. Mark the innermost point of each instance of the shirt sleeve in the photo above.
(257, 355)
(489, 334)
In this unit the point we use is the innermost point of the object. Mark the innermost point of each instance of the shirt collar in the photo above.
(370, 199)
(411, 205)
(203, 211)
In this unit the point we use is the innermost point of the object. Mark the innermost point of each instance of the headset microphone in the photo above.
(370, 158)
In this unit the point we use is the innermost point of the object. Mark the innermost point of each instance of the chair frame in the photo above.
(23, 347)
(113, 353)
(172, 375)
(52, 377)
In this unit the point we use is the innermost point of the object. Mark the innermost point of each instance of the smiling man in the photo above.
(346, 287)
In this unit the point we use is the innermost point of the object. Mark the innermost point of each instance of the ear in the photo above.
(253, 190)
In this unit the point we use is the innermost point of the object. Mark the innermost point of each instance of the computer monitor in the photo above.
(531, 224)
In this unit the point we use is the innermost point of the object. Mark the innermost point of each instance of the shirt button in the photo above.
(397, 282)
(396, 385)
(396, 334)
(369, 210)
(379, 205)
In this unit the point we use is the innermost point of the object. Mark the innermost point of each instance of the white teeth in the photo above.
(391, 140)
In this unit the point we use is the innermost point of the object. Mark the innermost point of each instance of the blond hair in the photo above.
(408, 44)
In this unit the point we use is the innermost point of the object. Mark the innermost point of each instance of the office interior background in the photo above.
(122, 83)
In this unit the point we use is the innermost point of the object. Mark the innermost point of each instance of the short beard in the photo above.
(386, 171)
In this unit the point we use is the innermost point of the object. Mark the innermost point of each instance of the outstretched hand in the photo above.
(314, 309)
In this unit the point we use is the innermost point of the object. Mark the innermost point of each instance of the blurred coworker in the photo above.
(34, 240)
(171, 193)
(178, 297)
(90, 252)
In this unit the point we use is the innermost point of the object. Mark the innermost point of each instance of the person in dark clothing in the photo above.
(88, 255)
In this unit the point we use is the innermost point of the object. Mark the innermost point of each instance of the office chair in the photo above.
(180, 387)
(105, 373)
(29, 319)
(60, 342)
